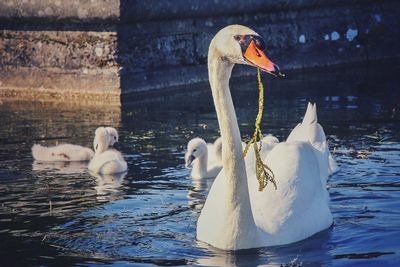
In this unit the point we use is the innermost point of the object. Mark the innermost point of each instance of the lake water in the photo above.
(59, 214)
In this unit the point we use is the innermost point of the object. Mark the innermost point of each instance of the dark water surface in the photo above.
(61, 215)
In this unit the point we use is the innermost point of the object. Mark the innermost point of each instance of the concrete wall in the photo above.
(93, 50)
(54, 50)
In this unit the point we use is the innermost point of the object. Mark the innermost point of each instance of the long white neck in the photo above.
(200, 166)
(237, 198)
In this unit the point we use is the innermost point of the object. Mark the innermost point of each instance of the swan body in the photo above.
(108, 162)
(105, 160)
(204, 158)
(236, 215)
(63, 152)
(269, 142)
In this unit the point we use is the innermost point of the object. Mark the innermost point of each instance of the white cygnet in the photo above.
(62, 152)
(69, 152)
(105, 160)
(197, 157)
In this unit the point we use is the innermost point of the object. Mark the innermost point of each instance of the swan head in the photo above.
(241, 45)
(101, 140)
(196, 148)
(113, 135)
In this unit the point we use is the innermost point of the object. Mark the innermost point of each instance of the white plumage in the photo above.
(63, 152)
(238, 216)
(105, 160)
(69, 152)
(205, 159)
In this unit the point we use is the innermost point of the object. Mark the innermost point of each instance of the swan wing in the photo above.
(298, 208)
(302, 131)
(309, 130)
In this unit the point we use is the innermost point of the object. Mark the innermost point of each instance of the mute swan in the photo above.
(236, 215)
(68, 152)
(197, 155)
(105, 160)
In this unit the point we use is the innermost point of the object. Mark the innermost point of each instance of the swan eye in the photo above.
(259, 42)
(245, 40)
(115, 138)
(97, 146)
(194, 150)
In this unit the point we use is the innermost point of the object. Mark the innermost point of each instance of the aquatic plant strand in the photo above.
(263, 173)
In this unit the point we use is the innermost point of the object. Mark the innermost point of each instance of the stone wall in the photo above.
(53, 50)
(94, 50)
(56, 65)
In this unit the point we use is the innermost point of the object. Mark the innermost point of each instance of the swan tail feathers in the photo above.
(307, 115)
(315, 112)
(309, 129)
(310, 116)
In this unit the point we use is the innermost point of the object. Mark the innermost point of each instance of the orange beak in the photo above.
(257, 57)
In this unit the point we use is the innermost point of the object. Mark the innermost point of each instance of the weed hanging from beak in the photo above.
(263, 173)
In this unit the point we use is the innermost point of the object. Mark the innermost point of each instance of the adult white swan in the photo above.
(236, 215)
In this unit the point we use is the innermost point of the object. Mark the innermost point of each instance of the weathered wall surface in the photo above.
(93, 50)
(54, 50)
(50, 65)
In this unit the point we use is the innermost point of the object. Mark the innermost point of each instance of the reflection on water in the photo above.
(310, 252)
(107, 185)
(67, 167)
(195, 195)
(59, 213)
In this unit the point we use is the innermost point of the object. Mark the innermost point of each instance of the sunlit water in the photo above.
(59, 214)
